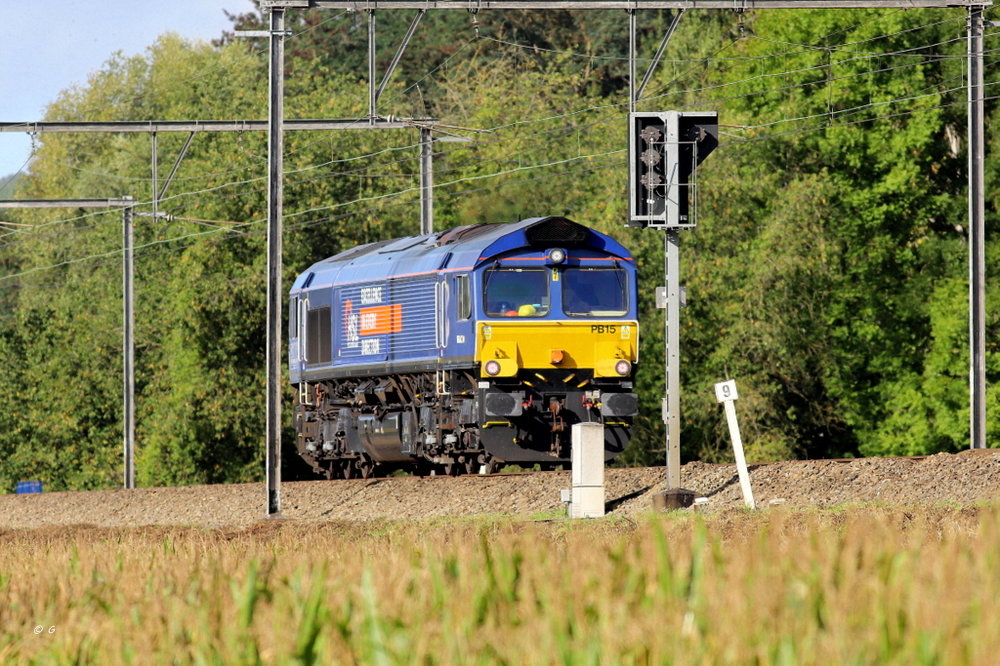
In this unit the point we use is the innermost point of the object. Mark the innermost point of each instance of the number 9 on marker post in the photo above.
(726, 391)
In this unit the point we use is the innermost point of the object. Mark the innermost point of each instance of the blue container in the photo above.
(25, 487)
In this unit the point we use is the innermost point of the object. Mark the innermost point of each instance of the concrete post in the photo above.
(587, 498)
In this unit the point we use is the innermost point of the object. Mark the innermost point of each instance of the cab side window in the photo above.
(463, 297)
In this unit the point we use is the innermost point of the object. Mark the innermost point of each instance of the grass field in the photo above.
(870, 585)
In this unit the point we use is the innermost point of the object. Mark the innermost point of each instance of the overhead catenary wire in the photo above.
(205, 190)
(534, 47)
(801, 48)
(396, 194)
(205, 72)
(656, 96)
(139, 247)
(215, 68)
(20, 170)
(248, 181)
(295, 226)
(621, 152)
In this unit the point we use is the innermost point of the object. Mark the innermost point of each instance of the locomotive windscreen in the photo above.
(516, 292)
(595, 292)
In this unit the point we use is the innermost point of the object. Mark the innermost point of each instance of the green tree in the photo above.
(829, 234)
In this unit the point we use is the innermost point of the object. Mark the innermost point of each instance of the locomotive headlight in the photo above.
(492, 368)
(623, 368)
(557, 255)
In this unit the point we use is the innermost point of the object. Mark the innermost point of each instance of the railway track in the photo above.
(967, 479)
(985, 453)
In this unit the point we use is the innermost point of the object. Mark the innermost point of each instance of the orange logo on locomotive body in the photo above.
(380, 319)
(362, 325)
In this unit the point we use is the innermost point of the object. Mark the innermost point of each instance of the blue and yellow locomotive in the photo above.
(463, 349)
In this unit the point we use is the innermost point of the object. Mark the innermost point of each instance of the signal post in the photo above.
(665, 148)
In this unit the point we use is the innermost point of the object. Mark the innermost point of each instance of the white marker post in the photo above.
(725, 392)
(587, 495)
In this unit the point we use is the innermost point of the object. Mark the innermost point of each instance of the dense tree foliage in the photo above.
(827, 273)
(853, 256)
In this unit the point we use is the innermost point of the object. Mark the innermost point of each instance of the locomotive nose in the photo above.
(607, 348)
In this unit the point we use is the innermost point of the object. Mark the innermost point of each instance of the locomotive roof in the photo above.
(457, 248)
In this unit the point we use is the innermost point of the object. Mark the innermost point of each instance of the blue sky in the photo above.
(48, 46)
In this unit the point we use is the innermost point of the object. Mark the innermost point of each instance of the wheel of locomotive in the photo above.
(486, 460)
(365, 467)
(463, 465)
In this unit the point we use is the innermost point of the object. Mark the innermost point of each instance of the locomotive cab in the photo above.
(556, 345)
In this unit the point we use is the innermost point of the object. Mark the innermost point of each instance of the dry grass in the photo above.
(861, 586)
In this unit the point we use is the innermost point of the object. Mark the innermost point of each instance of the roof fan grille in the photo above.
(556, 231)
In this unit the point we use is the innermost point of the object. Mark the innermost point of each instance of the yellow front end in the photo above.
(557, 344)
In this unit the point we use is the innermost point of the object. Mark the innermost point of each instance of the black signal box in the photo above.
(665, 148)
